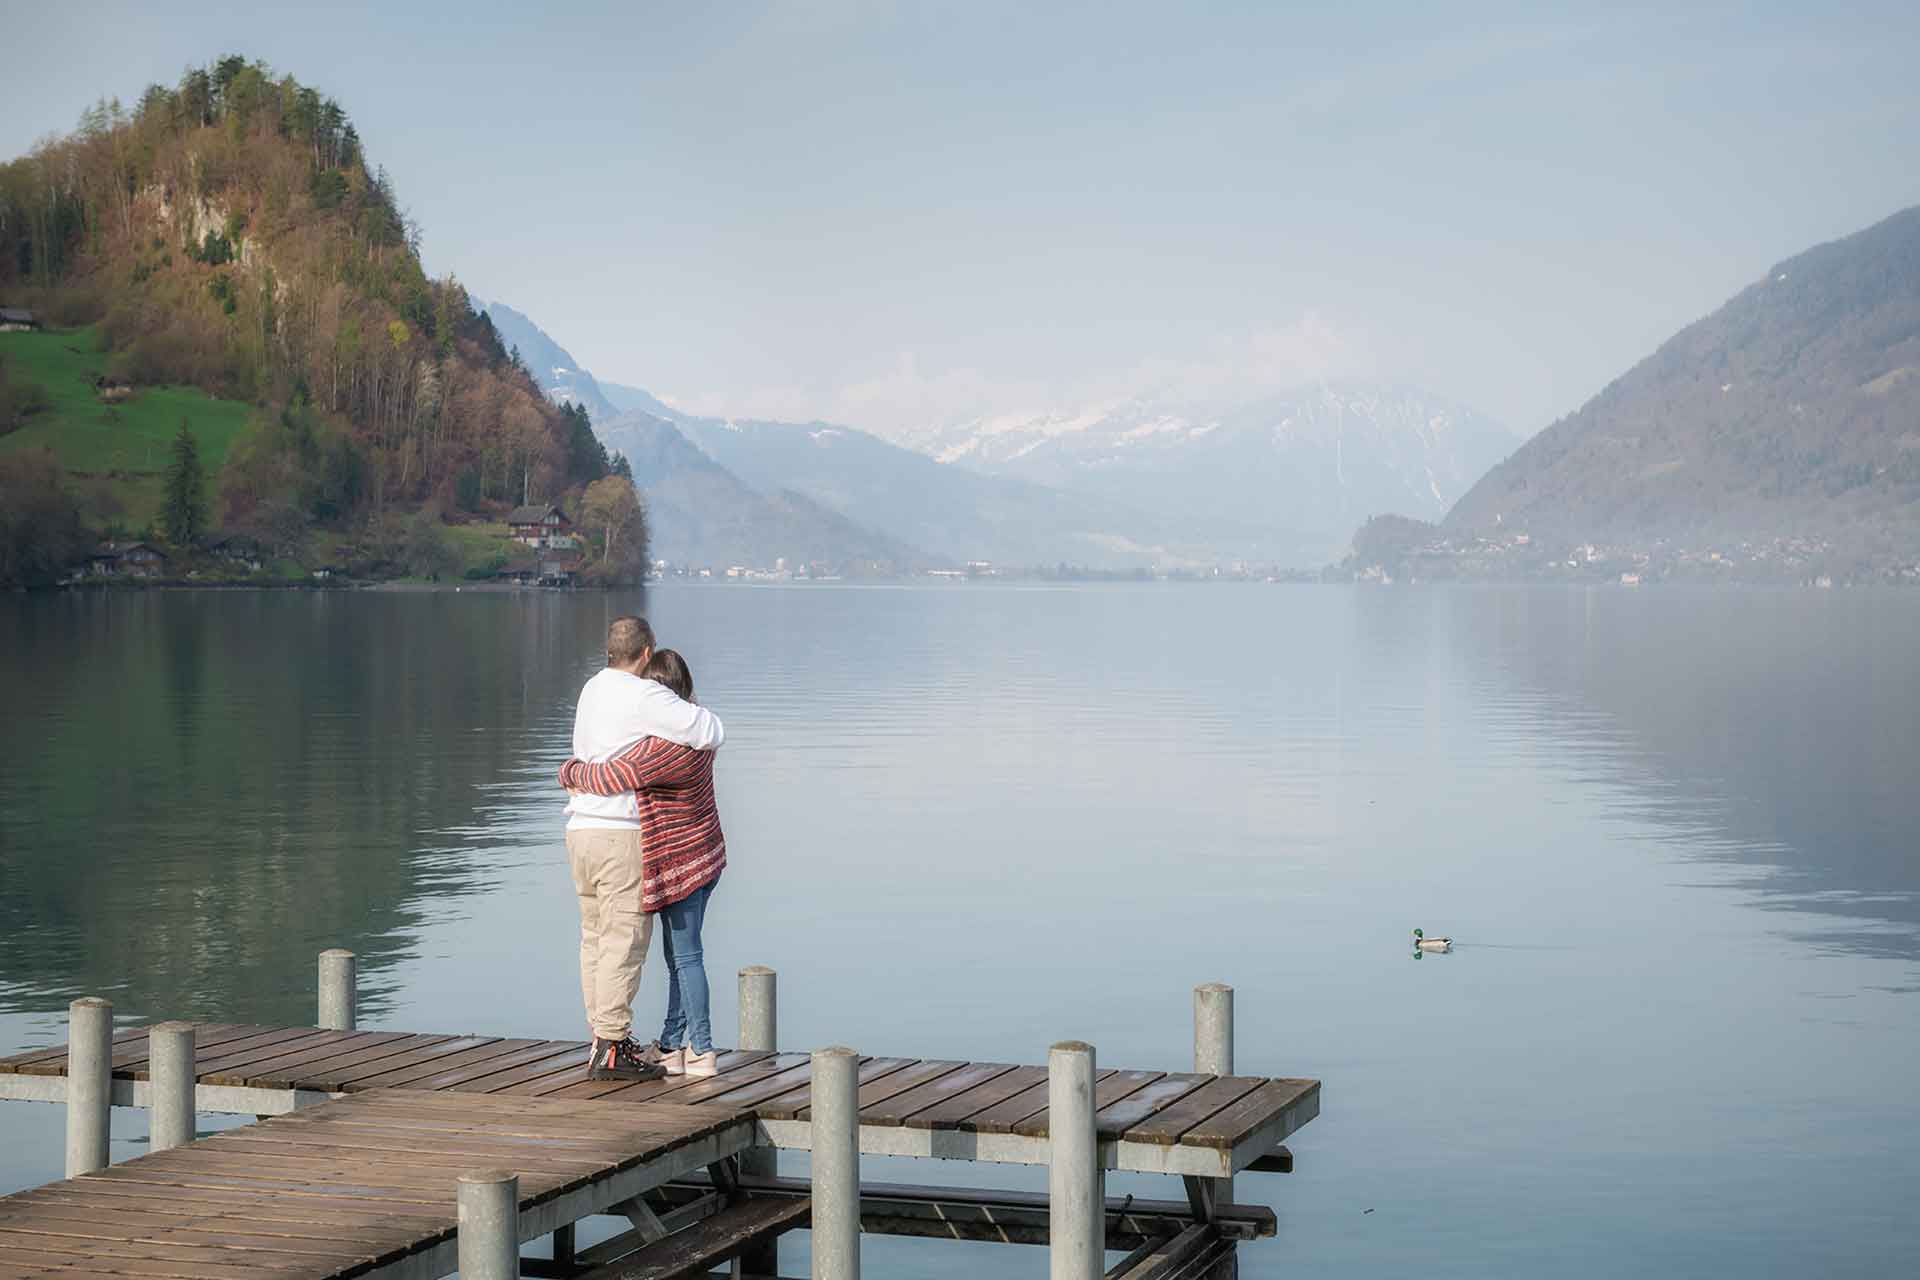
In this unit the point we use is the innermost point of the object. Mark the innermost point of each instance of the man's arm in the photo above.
(651, 763)
(663, 714)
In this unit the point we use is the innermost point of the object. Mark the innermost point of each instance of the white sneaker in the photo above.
(701, 1064)
(675, 1063)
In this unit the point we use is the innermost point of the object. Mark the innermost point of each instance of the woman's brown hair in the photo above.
(670, 669)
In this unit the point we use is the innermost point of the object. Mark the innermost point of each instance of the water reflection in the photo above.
(198, 791)
(1772, 733)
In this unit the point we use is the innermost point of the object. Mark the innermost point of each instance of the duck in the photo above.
(1421, 942)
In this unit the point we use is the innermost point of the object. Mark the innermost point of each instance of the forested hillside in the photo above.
(230, 233)
(1791, 412)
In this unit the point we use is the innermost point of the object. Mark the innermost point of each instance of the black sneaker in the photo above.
(620, 1060)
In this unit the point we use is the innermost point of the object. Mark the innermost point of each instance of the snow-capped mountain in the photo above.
(1287, 477)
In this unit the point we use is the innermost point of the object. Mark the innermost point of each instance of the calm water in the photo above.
(1675, 835)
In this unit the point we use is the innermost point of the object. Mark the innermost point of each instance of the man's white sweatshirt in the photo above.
(616, 710)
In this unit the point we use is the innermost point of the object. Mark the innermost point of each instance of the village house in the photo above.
(17, 320)
(541, 525)
(238, 550)
(127, 559)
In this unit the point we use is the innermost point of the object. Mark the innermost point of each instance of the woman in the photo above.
(684, 854)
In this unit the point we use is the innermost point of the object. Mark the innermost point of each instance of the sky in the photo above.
(902, 216)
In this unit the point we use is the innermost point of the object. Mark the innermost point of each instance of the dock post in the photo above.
(1076, 1197)
(489, 1216)
(1213, 1048)
(89, 1084)
(338, 974)
(172, 1071)
(836, 1164)
(760, 1032)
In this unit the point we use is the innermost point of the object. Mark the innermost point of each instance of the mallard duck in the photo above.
(1421, 942)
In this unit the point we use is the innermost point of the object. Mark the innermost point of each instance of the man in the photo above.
(617, 709)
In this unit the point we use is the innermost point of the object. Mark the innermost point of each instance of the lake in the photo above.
(1673, 832)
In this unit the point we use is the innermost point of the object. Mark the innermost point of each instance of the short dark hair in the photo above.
(670, 669)
(628, 639)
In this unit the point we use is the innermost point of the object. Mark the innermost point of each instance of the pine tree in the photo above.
(183, 515)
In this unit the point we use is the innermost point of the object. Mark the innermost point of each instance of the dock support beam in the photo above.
(171, 1066)
(1213, 1049)
(337, 995)
(1076, 1199)
(89, 1083)
(760, 1032)
(836, 1164)
(489, 1205)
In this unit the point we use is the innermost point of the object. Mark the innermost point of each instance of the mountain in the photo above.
(639, 400)
(1285, 478)
(703, 515)
(551, 365)
(1793, 410)
(957, 513)
(230, 234)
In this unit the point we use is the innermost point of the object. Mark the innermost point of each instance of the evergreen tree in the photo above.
(183, 514)
(621, 467)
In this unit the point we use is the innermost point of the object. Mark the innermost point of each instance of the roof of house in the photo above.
(114, 550)
(16, 315)
(535, 514)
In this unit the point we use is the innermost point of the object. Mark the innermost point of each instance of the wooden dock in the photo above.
(362, 1186)
(405, 1154)
(1150, 1121)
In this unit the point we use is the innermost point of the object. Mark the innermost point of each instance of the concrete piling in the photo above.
(489, 1217)
(1213, 1048)
(836, 1164)
(760, 1032)
(171, 1059)
(338, 997)
(89, 1084)
(1076, 1195)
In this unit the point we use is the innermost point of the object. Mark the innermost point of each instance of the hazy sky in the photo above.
(894, 214)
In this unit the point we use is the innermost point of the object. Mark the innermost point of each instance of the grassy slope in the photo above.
(119, 450)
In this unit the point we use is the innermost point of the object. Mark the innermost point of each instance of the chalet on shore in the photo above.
(541, 526)
(127, 560)
(17, 320)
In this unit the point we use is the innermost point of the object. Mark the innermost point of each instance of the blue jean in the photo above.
(689, 1020)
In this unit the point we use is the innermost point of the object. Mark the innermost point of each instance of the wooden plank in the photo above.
(894, 1111)
(740, 1066)
(206, 1037)
(325, 1073)
(1225, 1129)
(433, 1061)
(954, 1112)
(248, 1070)
(257, 1202)
(1111, 1122)
(245, 1219)
(718, 1089)
(1106, 1092)
(253, 1048)
(522, 1052)
(138, 1258)
(460, 1157)
(794, 1077)
(56, 1230)
(350, 1078)
(1165, 1126)
(697, 1249)
(566, 1056)
(1002, 1116)
(12, 1063)
(793, 1103)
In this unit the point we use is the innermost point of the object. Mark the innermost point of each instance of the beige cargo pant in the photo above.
(614, 932)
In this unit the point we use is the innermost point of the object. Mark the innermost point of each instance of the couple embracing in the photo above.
(644, 843)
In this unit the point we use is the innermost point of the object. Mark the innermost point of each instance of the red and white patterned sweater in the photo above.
(682, 845)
